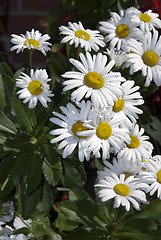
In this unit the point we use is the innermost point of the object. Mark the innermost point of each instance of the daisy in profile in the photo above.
(127, 104)
(139, 148)
(119, 29)
(152, 175)
(147, 21)
(105, 133)
(31, 40)
(34, 87)
(120, 166)
(86, 38)
(146, 57)
(94, 80)
(71, 122)
(125, 191)
(118, 55)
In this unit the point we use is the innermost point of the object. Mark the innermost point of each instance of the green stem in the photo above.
(28, 226)
(115, 215)
(33, 119)
(106, 217)
(31, 54)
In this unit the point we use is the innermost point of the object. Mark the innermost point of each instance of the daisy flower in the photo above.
(34, 87)
(147, 20)
(146, 56)
(124, 191)
(95, 80)
(138, 148)
(71, 121)
(152, 175)
(119, 166)
(86, 38)
(31, 40)
(126, 105)
(119, 29)
(104, 133)
(118, 55)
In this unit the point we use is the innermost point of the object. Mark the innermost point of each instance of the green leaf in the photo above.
(69, 174)
(9, 86)
(47, 198)
(52, 234)
(147, 91)
(23, 230)
(140, 225)
(64, 224)
(5, 69)
(52, 168)
(153, 128)
(33, 171)
(30, 202)
(6, 124)
(70, 209)
(22, 114)
(137, 236)
(87, 234)
(55, 67)
(2, 95)
(11, 170)
(150, 210)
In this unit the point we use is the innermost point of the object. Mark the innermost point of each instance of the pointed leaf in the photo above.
(47, 198)
(5, 69)
(52, 168)
(6, 124)
(30, 202)
(22, 114)
(33, 171)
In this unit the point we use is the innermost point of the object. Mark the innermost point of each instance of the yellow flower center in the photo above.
(135, 143)
(104, 130)
(35, 87)
(122, 31)
(121, 189)
(143, 160)
(118, 105)
(78, 127)
(150, 58)
(82, 34)
(159, 176)
(127, 174)
(31, 42)
(94, 80)
(145, 17)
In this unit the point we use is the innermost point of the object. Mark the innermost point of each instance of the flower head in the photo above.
(124, 191)
(94, 79)
(147, 20)
(86, 38)
(139, 148)
(119, 166)
(152, 175)
(31, 40)
(104, 133)
(127, 104)
(71, 122)
(34, 87)
(146, 56)
(119, 29)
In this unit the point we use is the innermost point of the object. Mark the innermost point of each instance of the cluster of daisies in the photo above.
(101, 120)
